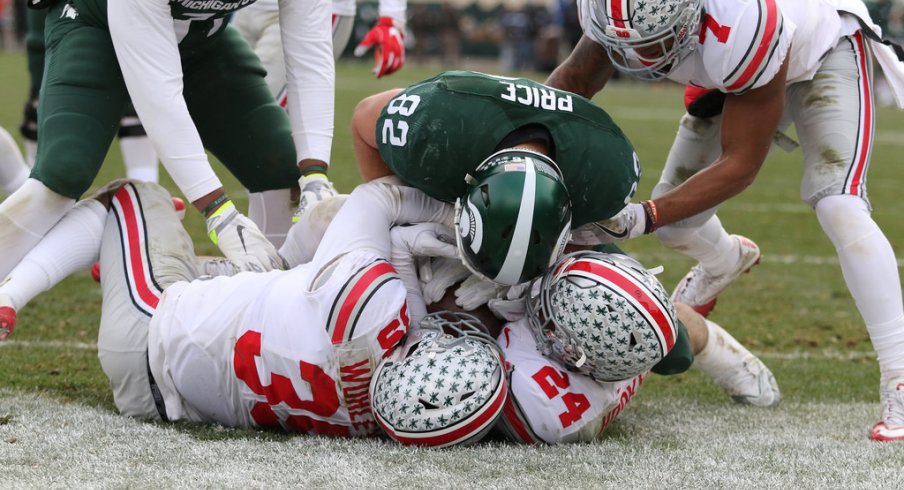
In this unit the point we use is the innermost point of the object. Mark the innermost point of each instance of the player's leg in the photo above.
(82, 99)
(13, 170)
(721, 257)
(144, 250)
(837, 137)
(720, 356)
(364, 123)
(240, 123)
(34, 51)
(138, 154)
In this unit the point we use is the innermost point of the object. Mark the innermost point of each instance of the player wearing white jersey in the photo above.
(259, 25)
(768, 57)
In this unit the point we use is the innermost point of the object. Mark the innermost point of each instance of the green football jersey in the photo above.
(203, 18)
(437, 131)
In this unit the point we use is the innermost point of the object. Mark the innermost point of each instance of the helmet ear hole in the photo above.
(485, 194)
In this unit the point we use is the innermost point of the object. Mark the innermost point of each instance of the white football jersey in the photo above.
(292, 349)
(547, 403)
(743, 43)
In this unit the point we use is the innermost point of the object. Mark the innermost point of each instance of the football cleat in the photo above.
(700, 290)
(7, 317)
(891, 424)
(741, 374)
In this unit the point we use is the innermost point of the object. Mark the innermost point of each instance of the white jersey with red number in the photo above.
(743, 43)
(293, 348)
(547, 403)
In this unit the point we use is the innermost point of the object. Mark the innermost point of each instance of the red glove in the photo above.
(389, 50)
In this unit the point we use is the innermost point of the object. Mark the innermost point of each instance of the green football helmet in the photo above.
(515, 217)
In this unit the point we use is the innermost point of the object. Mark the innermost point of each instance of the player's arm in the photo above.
(305, 27)
(749, 122)
(585, 71)
(364, 135)
(146, 45)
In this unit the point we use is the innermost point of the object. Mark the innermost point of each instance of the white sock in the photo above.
(25, 217)
(139, 158)
(13, 170)
(870, 270)
(71, 245)
(272, 211)
(710, 244)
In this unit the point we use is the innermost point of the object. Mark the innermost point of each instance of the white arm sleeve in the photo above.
(394, 9)
(307, 39)
(146, 46)
(368, 214)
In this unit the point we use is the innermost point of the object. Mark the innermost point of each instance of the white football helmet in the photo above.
(602, 315)
(440, 389)
(646, 38)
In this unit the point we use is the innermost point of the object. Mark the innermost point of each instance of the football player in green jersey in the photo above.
(196, 86)
(455, 136)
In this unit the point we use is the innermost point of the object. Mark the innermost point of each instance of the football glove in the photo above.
(510, 304)
(386, 37)
(475, 292)
(630, 222)
(315, 187)
(241, 241)
(439, 274)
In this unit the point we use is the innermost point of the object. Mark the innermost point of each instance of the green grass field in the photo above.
(58, 427)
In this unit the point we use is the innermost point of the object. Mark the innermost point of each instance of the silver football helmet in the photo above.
(646, 38)
(602, 315)
(445, 385)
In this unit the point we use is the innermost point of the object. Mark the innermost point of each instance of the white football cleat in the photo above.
(700, 290)
(891, 424)
(7, 317)
(741, 374)
(315, 188)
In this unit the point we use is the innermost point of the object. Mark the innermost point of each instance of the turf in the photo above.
(58, 427)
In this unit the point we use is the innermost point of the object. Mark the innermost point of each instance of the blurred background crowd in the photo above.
(520, 35)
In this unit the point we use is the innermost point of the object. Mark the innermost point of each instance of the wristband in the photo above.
(314, 169)
(649, 208)
(210, 208)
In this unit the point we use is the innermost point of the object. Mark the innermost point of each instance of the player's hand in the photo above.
(476, 292)
(438, 274)
(510, 305)
(386, 37)
(422, 240)
(241, 241)
(630, 222)
(314, 188)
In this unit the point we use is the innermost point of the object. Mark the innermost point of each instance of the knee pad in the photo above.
(844, 218)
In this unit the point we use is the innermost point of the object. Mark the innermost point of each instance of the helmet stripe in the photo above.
(513, 418)
(617, 13)
(143, 289)
(636, 292)
(511, 269)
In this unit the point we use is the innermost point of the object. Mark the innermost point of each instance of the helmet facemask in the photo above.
(643, 44)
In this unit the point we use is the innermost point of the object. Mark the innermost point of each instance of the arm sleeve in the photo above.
(368, 214)
(144, 38)
(394, 9)
(307, 39)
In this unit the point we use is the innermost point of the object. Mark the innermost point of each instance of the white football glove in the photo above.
(314, 188)
(438, 274)
(241, 241)
(629, 223)
(510, 305)
(386, 37)
(408, 242)
(476, 292)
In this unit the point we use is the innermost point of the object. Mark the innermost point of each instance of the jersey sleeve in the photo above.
(547, 403)
(743, 43)
(145, 41)
(307, 38)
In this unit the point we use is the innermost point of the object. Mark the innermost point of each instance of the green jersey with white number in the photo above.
(435, 132)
